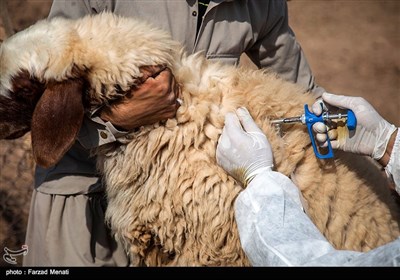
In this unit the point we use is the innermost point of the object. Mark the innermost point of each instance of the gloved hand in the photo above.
(371, 135)
(155, 99)
(243, 152)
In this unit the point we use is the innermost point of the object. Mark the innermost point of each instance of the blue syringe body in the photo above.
(310, 119)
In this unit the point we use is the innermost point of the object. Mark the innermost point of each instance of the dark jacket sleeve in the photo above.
(277, 48)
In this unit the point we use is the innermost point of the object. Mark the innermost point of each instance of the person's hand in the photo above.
(155, 99)
(371, 135)
(323, 129)
(243, 149)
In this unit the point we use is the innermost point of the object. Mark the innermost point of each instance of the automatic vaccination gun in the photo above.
(309, 119)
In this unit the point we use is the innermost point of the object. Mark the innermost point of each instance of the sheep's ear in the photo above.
(56, 121)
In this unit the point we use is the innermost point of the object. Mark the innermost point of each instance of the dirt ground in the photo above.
(353, 48)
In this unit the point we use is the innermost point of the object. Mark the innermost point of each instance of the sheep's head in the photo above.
(51, 109)
(52, 71)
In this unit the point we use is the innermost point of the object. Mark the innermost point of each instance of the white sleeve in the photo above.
(274, 230)
(393, 166)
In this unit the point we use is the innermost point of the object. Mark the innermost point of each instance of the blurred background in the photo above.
(353, 48)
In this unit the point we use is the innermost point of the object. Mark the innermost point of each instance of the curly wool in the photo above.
(173, 205)
(169, 201)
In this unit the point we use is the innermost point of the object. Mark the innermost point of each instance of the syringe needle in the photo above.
(287, 120)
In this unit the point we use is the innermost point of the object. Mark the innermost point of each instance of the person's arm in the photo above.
(70, 9)
(277, 48)
(373, 136)
(273, 229)
(152, 101)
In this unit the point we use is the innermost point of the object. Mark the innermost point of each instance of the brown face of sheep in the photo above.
(52, 111)
(17, 108)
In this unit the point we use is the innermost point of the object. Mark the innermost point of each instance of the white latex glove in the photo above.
(371, 135)
(243, 149)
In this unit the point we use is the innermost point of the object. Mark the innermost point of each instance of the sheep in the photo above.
(168, 200)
